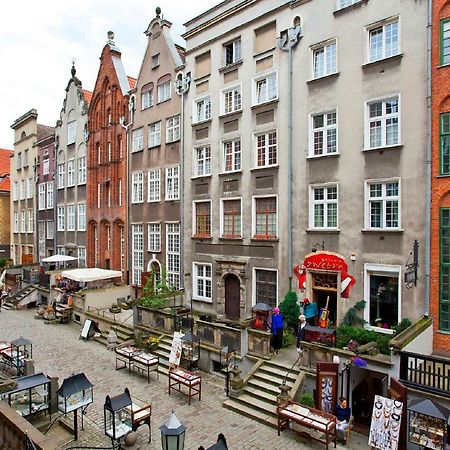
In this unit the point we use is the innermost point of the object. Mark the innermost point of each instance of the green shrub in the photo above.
(290, 310)
(308, 400)
(403, 325)
(362, 336)
(353, 315)
(154, 302)
(3, 262)
(287, 337)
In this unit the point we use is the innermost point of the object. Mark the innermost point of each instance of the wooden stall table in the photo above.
(145, 363)
(180, 377)
(318, 421)
(125, 354)
(141, 414)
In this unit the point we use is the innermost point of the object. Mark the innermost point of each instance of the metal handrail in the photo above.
(290, 370)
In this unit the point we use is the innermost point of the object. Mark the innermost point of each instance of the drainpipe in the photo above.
(426, 307)
(287, 42)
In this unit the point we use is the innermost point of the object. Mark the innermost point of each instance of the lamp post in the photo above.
(173, 434)
(226, 354)
(117, 417)
(75, 392)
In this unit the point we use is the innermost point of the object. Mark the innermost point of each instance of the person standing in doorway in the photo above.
(277, 330)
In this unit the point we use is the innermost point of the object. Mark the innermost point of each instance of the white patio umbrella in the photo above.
(58, 258)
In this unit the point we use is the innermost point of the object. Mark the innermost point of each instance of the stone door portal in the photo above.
(232, 296)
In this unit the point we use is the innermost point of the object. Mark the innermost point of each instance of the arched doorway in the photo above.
(232, 296)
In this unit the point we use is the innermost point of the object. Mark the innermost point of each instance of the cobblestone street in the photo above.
(58, 352)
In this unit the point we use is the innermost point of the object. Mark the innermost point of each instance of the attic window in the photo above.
(155, 61)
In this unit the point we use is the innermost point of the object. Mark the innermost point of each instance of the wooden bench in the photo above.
(180, 377)
(145, 363)
(322, 425)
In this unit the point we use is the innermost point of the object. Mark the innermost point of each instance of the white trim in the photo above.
(311, 116)
(223, 159)
(177, 196)
(151, 261)
(324, 45)
(255, 149)
(224, 199)
(195, 118)
(233, 87)
(312, 202)
(379, 24)
(254, 269)
(158, 180)
(194, 215)
(153, 250)
(195, 295)
(254, 197)
(260, 77)
(195, 160)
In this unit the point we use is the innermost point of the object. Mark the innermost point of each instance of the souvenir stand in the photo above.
(261, 316)
(117, 416)
(191, 350)
(21, 349)
(428, 424)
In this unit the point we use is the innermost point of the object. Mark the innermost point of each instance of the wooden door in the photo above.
(232, 296)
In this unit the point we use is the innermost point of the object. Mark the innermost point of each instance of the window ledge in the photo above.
(378, 61)
(264, 52)
(340, 11)
(231, 172)
(382, 231)
(203, 300)
(201, 238)
(155, 201)
(174, 141)
(154, 146)
(199, 177)
(258, 239)
(231, 114)
(323, 77)
(323, 230)
(233, 239)
(164, 101)
(443, 175)
(380, 149)
(202, 79)
(326, 155)
(202, 122)
(272, 166)
(442, 66)
(270, 102)
(230, 67)
(154, 251)
(147, 107)
(379, 329)
(443, 332)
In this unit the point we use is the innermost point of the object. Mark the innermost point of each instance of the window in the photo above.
(45, 167)
(120, 191)
(50, 231)
(383, 123)
(154, 186)
(164, 92)
(82, 170)
(147, 98)
(324, 60)
(29, 188)
(203, 64)
(120, 145)
(382, 294)
(109, 152)
(61, 215)
(265, 286)
(266, 149)
(202, 220)
(30, 221)
(19, 161)
(154, 134)
(71, 173)
(383, 205)
(138, 187)
(232, 52)
(173, 254)
(445, 41)
(22, 189)
(265, 38)
(231, 218)
(154, 237)
(265, 222)
(266, 89)
(232, 156)
(202, 281)
(202, 109)
(61, 175)
(81, 256)
(173, 129)
(41, 202)
(137, 233)
(70, 217)
(202, 161)
(231, 100)
(444, 267)
(25, 158)
(384, 41)
(173, 183)
(99, 195)
(23, 221)
(82, 217)
(138, 139)
(16, 222)
(445, 143)
(323, 137)
(99, 154)
(15, 191)
(61, 250)
(71, 132)
(50, 195)
(323, 212)
(155, 61)
(344, 3)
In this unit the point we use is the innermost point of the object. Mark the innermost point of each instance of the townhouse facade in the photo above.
(106, 194)
(305, 148)
(23, 179)
(5, 203)
(155, 144)
(71, 172)
(440, 181)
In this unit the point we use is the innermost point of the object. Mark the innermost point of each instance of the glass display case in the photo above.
(32, 395)
(190, 344)
(118, 415)
(75, 392)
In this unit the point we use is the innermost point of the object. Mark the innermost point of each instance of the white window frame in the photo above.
(236, 99)
(325, 202)
(236, 51)
(41, 196)
(29, 188)
(202, 109)
(266, 149)
(196, 277)
(267, 269)
(154, 237)
(45, 166)
(202, 160)
(383, 199)
(154, 186)
(61, 175)
(137, 137)
(383, 118)
(222, 217)
(81, 253)
(70, 173)
(30, 221)
(137, 258)
(154, 134)
(341, 4)
(268, 96)
(172, 183)
(19, 161)
(22, 189)
(173, 128)
(71, 217)
(16, 222)
(15, 190)
(61, 217)
(383, 24)
(147, 99)
(82, 170)
(50, 202)
(71, 132)
(81, 217)
(137, 187)
(236, 162)
(254, 198)
(324, 131)
(164, 91)
(173, 243)
(330, 59)
(381, 269)
(50, 229)
(23, 221)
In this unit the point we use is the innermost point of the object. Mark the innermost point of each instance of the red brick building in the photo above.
(106, 169)
(440, 184)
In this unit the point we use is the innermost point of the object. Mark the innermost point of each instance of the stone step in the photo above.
(266, 387)
(279, 372)
(261, 395)
(247, 411)
(272, 379)
(257, 404)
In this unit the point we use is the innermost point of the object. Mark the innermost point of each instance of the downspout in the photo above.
(182, 194)
(426, 307)
(55, 192)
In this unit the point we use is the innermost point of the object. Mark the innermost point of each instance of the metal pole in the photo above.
(75, 424)
(227, 381)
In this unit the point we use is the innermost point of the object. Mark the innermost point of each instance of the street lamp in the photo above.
(172, 434)
(226, 354)
(117, 416)
(76, 392)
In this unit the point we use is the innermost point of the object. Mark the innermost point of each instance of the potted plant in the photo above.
(153, 343)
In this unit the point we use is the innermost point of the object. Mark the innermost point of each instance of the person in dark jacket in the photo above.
(300, 333)
(277, 330)
(343, 413)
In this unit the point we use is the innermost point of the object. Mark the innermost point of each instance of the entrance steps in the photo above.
(259, 398)
(20, 296)
(124, 333)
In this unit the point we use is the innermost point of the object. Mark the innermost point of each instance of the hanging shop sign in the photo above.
(325, 261)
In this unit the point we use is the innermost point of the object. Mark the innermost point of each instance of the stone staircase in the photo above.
(15, 299)
(124, 333)
(259, 398)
